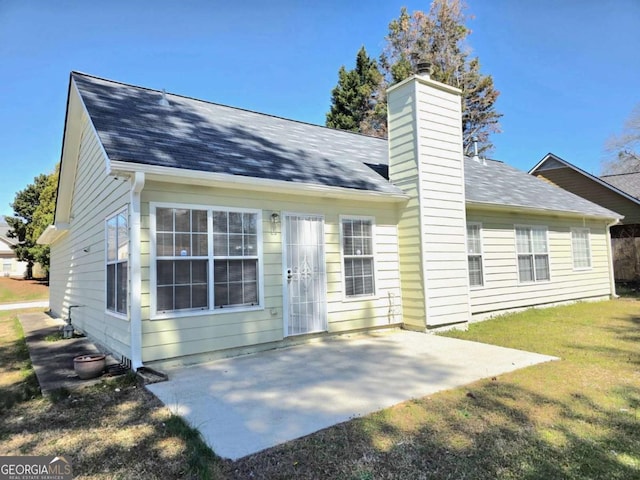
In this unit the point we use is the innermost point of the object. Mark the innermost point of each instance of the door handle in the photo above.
(289, 274)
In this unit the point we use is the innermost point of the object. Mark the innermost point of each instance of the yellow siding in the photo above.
(425, 151)
(403, 173)
(502, 291)
(582, 186)
(442, 203)
(77, 277)
(195, 335)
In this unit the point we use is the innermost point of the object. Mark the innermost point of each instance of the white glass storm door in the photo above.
(305, 304)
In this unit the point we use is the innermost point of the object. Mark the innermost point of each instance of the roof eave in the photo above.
(52, 233)
(238, 182)
(539, 211)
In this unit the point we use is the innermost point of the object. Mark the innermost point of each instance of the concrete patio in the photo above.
(245, 404)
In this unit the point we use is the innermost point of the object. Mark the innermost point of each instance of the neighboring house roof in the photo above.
(4, 231)
(197, 135)
(552, 162)
(134, 127)
(627, 182)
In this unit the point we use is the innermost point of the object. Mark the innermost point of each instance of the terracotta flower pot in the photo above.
(89, 366)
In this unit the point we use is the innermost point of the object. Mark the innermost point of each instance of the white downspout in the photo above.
(612, 278)
(135, 307)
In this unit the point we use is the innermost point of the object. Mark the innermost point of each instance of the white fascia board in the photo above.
(192, 177)
(52, 233)
(537, 211)
(551, 156)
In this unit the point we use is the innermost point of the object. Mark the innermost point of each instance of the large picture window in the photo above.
(357, 250)
(533, 254)
(474, 254)
(581, 248)
(206, 259)
(117, 262)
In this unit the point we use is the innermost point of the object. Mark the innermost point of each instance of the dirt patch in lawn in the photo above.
(15, 290)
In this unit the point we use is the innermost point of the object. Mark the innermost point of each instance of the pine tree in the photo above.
(353, 96)
(437, 38)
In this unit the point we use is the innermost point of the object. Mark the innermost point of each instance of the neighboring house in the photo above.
(620, 193)
(187, 230)
(10, 266)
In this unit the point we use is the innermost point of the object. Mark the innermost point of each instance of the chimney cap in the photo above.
(423, 68)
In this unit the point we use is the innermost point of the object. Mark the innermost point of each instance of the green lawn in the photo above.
(577, 418)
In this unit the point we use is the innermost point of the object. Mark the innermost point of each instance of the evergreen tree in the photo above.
(33, 210)
(353, 96)
(437, 38)
(42, 218)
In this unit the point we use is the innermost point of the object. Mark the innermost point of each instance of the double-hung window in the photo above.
(533, 254)
(235, 252)
(474, 254)
(357, 251)
(581, 248)
(182, 259)
(117, 261)
(206, 259)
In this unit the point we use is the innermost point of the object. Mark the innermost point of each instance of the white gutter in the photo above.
(612, 278)
(239, 182)
(135, 281)
(538, 211)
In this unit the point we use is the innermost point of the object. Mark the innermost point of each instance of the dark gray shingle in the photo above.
(198, 135)
(629, 183)
(497, 183)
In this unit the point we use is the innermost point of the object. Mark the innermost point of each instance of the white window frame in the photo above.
(367, 296)
(589, 252)
(211, 310)
(481, 254)
(124, 212)
(533, 253)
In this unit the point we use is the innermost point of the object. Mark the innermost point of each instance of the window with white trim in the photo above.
(205, 259)
(357, 251)
(117, 243)
(533, 254)
(474, 254)
(581, 248)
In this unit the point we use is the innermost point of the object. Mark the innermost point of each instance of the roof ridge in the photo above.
(228, 106)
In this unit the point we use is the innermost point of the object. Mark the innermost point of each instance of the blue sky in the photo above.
(567, 70)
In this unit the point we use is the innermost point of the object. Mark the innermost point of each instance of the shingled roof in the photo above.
(496, 183)
(133, 126)
(196, 135)
(629, 183)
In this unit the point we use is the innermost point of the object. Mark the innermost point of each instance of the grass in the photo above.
(577, 418)
(116, 429)
(13, 290)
